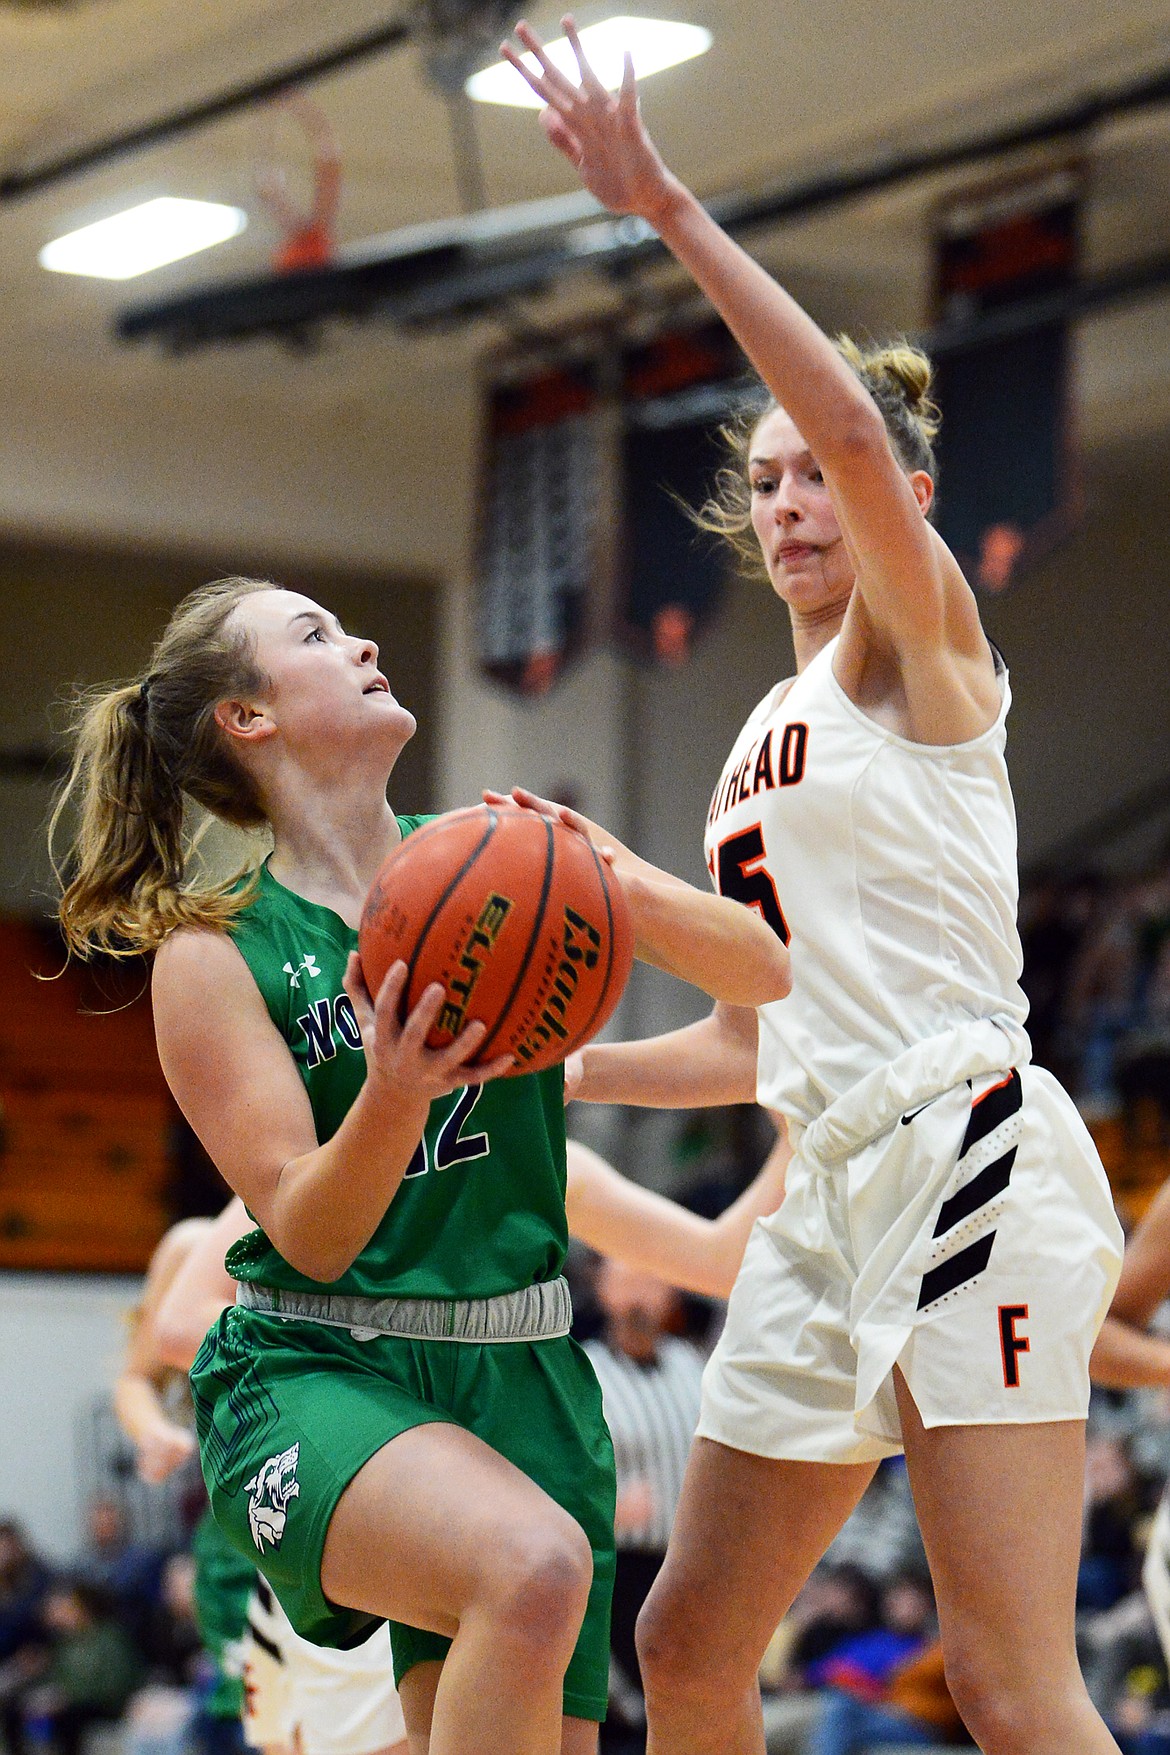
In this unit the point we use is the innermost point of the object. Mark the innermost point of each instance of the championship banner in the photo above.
(1007, 481)
(540, 524)
(676, 391)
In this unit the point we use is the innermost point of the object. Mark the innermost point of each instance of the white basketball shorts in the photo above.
(313, 1699)
(972, 1242)
(1156, 1573)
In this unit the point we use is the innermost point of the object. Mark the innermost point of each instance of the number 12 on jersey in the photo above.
(740, 872)
(453, 1145)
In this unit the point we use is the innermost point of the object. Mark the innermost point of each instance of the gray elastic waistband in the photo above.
(534, 1313)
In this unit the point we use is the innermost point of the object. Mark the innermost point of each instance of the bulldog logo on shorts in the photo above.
(271, 1488)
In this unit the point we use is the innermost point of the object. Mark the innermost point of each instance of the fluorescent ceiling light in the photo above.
(654, 43)
(142, 238)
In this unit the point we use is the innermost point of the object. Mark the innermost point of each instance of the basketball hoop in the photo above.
(309, 237)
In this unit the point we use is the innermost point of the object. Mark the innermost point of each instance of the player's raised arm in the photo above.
(911, 597)
(717, 945)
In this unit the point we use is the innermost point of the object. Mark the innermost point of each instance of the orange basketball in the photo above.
(518, 918)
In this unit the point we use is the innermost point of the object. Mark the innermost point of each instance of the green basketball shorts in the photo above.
(289, 1410)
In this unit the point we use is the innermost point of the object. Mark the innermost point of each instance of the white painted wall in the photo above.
(62, 1339)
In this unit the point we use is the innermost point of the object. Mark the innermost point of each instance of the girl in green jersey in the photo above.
(393, 1421)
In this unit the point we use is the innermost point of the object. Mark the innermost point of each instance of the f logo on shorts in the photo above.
(1011, 1345)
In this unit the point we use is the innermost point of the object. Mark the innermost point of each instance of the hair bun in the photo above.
(901, 369)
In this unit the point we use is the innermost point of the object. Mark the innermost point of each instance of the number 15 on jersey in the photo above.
(739, 869)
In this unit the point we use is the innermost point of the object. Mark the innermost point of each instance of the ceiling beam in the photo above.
(16, 184)
(462, 273)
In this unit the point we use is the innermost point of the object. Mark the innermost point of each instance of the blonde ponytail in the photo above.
(143, 754)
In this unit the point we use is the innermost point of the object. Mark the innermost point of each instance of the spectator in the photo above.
(650, 1391)
(92, 1670)
(862, 1663)
(886, 1684)
(128, 1573)
(24, 1579)
(1143, 1053)
(1109, 1560)
(838, 1603)
(1100, 995)
(24, 1583)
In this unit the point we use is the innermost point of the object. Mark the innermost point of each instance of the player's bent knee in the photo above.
(669, 1641)
(542, 1588)
(1009, 1713)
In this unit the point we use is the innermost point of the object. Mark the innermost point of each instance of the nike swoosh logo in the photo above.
(907, 1119)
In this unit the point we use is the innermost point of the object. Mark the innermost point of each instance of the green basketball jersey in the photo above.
(481, 1209)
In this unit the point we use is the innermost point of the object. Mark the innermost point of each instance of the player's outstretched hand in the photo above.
(521, 799)
(397, 1056)
(599, 132)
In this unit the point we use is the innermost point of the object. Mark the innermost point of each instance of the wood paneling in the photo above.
(85, 1117)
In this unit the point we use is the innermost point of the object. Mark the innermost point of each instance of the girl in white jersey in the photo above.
(947, 1246)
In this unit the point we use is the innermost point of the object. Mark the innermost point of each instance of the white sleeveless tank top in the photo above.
(890, 869)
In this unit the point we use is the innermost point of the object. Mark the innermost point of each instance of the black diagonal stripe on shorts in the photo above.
(263, 1641)
(991, 1180)
(990, 1110)
(955, 1272)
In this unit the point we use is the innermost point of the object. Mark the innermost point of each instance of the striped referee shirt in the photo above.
(652, 1412)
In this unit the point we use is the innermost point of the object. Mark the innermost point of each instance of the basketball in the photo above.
(519, 919)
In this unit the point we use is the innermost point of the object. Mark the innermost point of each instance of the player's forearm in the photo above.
(1127, 1358)
(139, 1408)
(716, 944)
(328, 1203)
(635, 1225)
(701, 1065)
(181, 1329)
(732, 1228)
(793, 356)
(648, 1231)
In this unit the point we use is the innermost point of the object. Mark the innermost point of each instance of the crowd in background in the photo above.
(856, 1665)
(1097, 975)
(82, 1643)
(110, 1639)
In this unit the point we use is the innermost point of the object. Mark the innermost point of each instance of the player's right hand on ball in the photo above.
(397, 1055)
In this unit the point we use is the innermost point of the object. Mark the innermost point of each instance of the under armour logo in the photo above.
(307, 966)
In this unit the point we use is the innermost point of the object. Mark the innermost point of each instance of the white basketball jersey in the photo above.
(888, 866)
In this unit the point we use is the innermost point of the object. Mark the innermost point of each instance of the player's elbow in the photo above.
(318, 1258)
(859, 434)
(767, 974)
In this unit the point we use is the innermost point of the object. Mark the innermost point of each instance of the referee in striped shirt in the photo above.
(650, 1390)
